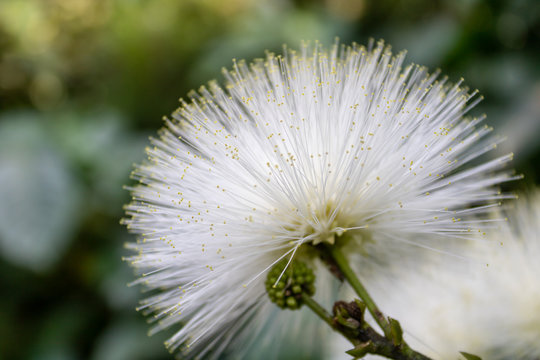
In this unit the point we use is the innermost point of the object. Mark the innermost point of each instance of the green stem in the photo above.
(364, 338)
(351, 277)
(318, 309)
(324, 315)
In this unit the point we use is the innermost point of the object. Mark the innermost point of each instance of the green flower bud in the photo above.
(297, 278)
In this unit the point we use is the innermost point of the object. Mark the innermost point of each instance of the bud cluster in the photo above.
(297, 279)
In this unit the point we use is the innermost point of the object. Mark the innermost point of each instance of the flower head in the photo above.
(294, 151)
(490, 306)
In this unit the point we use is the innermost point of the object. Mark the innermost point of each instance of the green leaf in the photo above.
(396, 331)
(39, 194)
(360, 305)
(470, 356)
(361, 350)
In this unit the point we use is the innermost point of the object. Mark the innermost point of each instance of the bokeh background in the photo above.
(84, 83)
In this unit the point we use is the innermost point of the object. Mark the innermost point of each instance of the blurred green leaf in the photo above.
(39, 196)
(104, 149)
(126, 339)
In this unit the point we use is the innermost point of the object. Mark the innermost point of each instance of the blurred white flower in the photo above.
(489, 306)
(295, 151)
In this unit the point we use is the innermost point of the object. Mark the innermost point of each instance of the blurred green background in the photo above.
(83, 83)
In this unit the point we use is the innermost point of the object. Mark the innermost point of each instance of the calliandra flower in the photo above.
(490, 306)
(294, 151)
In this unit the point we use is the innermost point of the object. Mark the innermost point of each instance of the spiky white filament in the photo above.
(296, 150)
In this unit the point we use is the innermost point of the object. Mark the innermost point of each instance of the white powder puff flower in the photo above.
(489, 307)
(295, 151)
